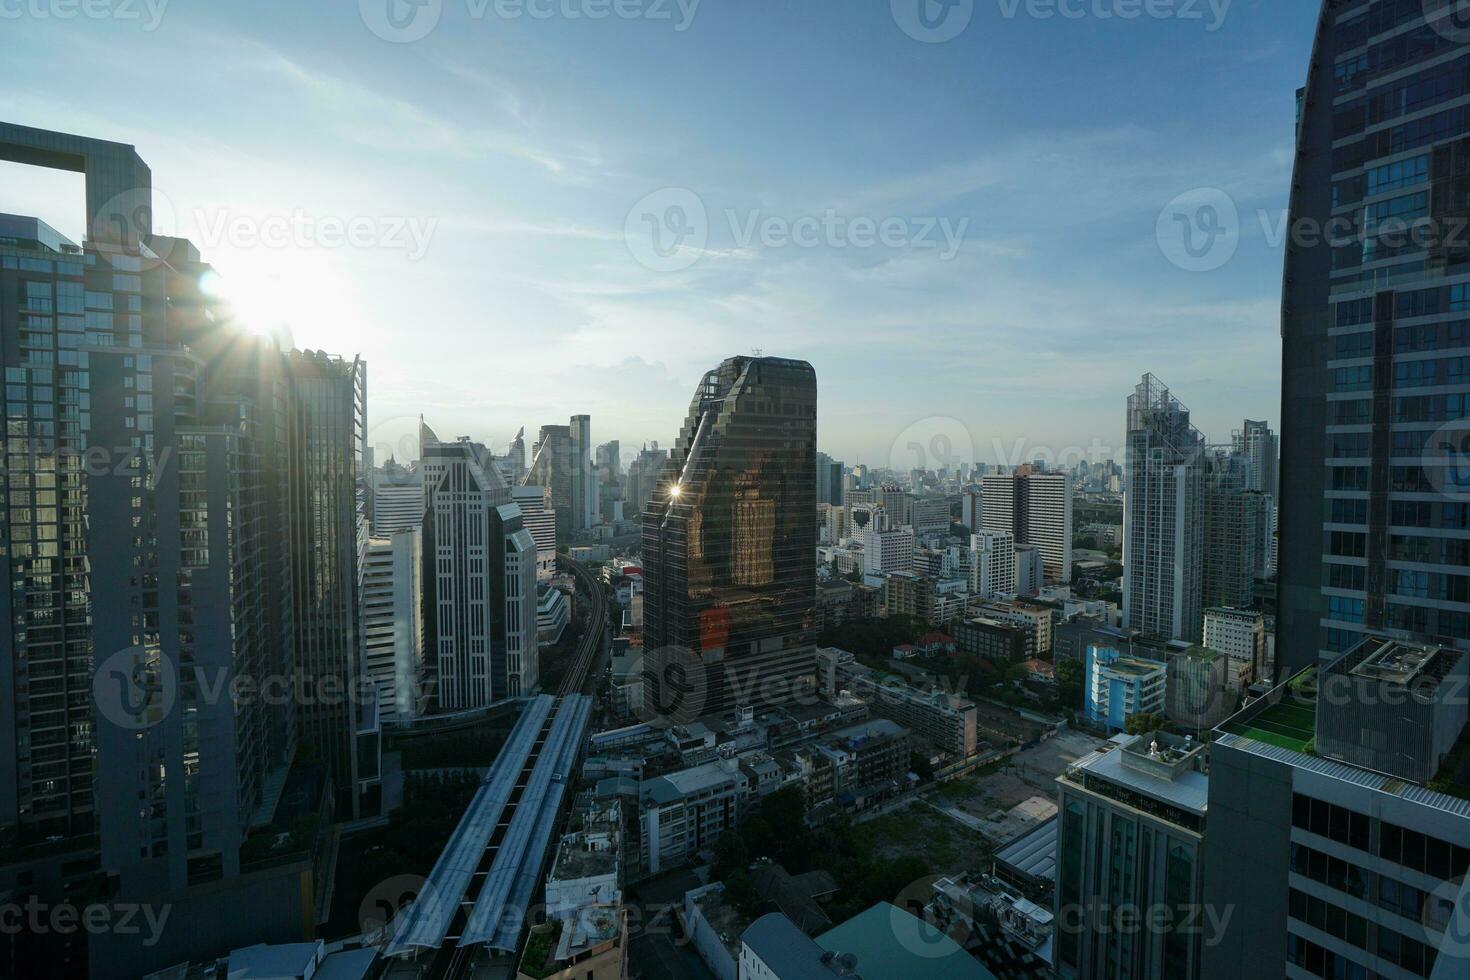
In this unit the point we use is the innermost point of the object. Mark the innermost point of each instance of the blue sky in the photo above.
(499, 171)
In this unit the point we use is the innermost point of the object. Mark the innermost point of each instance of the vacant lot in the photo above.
(917, 830)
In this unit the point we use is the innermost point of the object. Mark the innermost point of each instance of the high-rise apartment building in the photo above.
(1236, 532)
(1373, 535)
(730, 535)
(398, 498)
(1260, 447)
(539, 518)
(480, 637)
(1035, 507)
(609, 472)
(992, 564)
(585, 500)
(1162, 526)
(887, 549)
(392, 624)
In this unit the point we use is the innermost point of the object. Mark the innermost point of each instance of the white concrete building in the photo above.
(392, 625)
(539, 518)
(887, 551)
(992, 564)
(398, 498)
(1240, 634)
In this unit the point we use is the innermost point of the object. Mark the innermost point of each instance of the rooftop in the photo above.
(1289, 721)
(1188, 788)
(889, 942)
(1033, 853)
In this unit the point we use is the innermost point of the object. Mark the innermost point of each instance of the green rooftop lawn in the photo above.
(1286, 725)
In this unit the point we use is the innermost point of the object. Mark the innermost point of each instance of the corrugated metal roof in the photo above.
(1033, 853)
(505, 897)
(1349, 774)
(428, 919)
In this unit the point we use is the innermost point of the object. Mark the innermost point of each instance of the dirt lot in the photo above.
(999, 725)
(918, 830)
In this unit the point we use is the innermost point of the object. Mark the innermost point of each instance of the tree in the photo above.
(1143, 723)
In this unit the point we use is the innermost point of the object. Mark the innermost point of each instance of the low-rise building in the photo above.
(945, 721)
(1118, 686)
(1240, 634)
(994, 640)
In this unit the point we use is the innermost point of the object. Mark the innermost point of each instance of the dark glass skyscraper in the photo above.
(729, 542)
(1374, 510)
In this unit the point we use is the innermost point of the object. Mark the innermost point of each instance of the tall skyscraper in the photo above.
(517, 457)
(1035, 507)
(1162, 526)
(165, 471)
(1372, 536)
(609, 469)
(326, 438)
(992, 564)
(1237, 527)
(585, 500)
(480, 634)
(730, 535)
(829, 480)
(1257, 444)
(643, 474)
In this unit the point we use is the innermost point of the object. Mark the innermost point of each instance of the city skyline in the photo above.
(1051, 256)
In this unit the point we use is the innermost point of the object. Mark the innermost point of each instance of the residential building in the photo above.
(682, 812)
(1257, 444)
(585, 500)
(1337, 831)
(539, 517)
(996, 641)
(1162, 525)
(858, 766)
(1117, 686)
(392, 624)
(1033, 617)
(1035, 507)
(730, 536)
(992, 564)
(1236, 530)
(947, 722)
(1131, 838)
(398, 498)
(887, 550)
(1030, 570)
(1240, 634)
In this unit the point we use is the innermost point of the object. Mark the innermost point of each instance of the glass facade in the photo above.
(1377, 340)
(730, 535)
